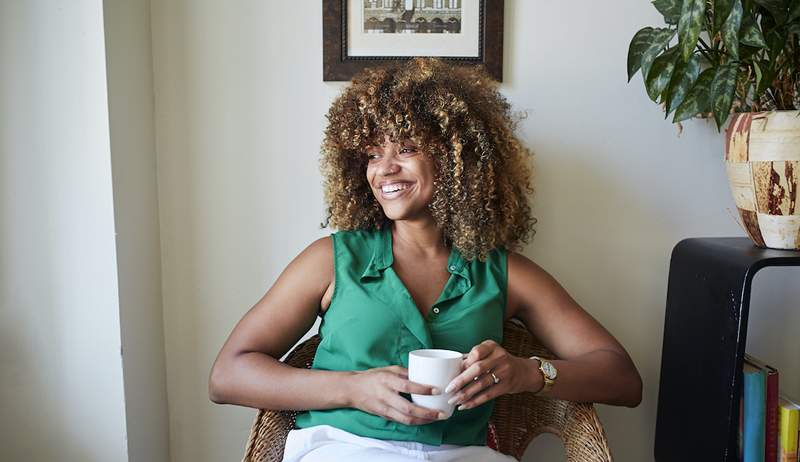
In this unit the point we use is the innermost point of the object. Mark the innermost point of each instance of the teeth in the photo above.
(395, 187)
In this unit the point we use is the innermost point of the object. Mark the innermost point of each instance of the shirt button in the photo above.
(452, 267)
(436, 309)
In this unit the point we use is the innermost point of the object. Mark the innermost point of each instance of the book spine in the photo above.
(788, 417)
(754, 416)
(771, 443)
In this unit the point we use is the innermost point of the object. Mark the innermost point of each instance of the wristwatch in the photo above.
(549, 372)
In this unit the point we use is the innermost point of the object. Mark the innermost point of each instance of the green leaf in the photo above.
(746, 53)
(730, 29)
(776, 40)
(759, 75)
(639, 43)
(768, 74)
(777, 8)
(692, 14)
(722, 90)
(794, 11)
(722, 9)
(660, 73)
(697, 100)
(670, 9)
(658, 41)
(683, 77)
(751, 35)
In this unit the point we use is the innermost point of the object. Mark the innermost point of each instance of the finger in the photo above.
(399, 370)
(480, 351)
(469, 374)
(484, 381)
(483, 396)
(501, 369)
(397, 416)
(407, 386)
(416, 414)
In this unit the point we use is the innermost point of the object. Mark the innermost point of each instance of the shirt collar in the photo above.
(382, 258)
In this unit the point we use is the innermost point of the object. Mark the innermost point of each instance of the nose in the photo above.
(388, 166)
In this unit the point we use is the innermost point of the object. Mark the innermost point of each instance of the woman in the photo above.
(428, 186)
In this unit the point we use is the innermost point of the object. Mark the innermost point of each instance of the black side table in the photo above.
(705, 329)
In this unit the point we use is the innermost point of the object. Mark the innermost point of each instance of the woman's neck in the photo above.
(420, 237)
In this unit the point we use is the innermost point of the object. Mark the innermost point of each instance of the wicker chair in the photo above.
(517, 418)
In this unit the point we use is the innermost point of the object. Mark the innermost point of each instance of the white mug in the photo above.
(437, 368)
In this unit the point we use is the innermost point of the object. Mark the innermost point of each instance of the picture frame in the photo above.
(362, 33)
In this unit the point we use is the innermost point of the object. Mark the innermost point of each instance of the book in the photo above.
(771, 413)
(789, 416)
(754, 403)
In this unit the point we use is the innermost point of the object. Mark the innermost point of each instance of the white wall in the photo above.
(61, 389)
(240, 107)
(133, 157)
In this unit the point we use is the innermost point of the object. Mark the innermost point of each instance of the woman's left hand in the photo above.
(487, 358)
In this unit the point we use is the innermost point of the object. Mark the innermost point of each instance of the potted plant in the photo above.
(737, 60)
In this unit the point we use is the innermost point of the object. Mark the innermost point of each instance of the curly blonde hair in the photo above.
(456, 116)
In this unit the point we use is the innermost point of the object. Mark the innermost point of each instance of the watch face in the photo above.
(549, 370)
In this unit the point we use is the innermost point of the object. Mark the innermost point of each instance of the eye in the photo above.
(408, 149)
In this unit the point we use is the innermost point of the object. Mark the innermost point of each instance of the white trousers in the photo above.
(324, 443)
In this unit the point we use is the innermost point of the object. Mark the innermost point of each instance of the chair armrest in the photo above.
(270, 428)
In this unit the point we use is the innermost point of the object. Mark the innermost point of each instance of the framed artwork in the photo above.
(361, 33)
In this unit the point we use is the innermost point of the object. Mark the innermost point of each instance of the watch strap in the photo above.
(548, 382)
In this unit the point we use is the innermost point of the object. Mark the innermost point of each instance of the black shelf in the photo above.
(705, 331)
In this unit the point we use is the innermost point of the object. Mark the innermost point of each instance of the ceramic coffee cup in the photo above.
(437, 368)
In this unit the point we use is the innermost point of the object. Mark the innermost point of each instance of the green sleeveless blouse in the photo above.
(372, 321)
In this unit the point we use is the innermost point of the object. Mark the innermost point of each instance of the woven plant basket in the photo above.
(762, 158)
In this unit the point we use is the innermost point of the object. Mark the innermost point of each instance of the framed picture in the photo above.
(361, 33)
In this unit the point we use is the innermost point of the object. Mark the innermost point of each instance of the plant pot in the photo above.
(762, 157)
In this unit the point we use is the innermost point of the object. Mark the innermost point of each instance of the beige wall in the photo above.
(61, 385)
(133, 157)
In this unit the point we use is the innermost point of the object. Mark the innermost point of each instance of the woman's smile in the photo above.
(396, 189)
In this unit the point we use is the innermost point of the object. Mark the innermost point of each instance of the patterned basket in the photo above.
(762, 158)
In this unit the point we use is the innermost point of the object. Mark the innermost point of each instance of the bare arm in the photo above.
(594, 366)
(247, 371)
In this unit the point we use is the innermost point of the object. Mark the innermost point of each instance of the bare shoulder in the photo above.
(520, 265)
(319, 252)
(317, 259)
(532, 291)
(524, 276)
(315, 263)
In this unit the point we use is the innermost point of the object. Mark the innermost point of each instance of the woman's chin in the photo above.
(398, 214)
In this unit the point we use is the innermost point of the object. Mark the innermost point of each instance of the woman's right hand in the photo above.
(377, 391)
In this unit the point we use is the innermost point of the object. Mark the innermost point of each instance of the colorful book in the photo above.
(771, 413)
(788, 418)
(754, 402)
(741, 428)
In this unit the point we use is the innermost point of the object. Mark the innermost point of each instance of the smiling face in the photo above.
(401, 178)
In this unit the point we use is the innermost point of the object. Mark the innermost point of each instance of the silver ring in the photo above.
(495, 378)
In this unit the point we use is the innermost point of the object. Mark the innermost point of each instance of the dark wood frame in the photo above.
(337, 66)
